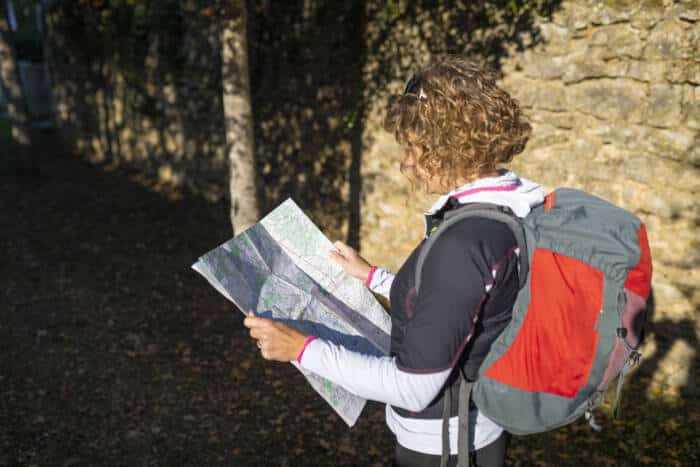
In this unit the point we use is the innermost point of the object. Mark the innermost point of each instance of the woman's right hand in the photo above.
(350, 260)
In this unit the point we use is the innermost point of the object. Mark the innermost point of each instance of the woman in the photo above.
(457, 129)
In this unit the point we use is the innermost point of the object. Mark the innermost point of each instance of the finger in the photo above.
(260, 330)
(248, 315)
(255, 322)
(249, 321)
(343, 249)
(338, 257)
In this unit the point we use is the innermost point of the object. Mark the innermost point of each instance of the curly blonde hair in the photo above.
(455, 124)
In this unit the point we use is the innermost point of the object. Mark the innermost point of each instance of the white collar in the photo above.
(506, 189)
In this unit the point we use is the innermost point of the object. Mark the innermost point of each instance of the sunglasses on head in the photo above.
(414, 87)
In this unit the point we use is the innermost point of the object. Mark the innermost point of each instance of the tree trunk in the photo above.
(16, 105)
(239, 118)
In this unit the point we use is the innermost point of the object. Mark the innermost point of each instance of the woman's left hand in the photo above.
(276, 341)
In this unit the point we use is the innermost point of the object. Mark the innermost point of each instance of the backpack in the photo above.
(585, 276)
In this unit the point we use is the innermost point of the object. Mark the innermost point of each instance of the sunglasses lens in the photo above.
(413, 86)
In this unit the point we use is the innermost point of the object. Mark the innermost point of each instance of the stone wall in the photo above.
(147, 99)
(613, 92)
(612, 88)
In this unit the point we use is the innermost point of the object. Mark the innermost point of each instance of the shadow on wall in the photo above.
(672, 335)
(319, 69)
(140, 86)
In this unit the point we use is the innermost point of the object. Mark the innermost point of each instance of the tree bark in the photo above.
(238, 116)
(16, 105)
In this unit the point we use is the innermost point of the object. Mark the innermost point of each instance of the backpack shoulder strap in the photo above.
(499, 214)
(465, 393)
(485, 211)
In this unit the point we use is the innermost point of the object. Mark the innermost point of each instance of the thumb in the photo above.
(338, 258)
(343, 249)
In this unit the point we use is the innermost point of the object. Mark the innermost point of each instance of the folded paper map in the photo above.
(279, 268)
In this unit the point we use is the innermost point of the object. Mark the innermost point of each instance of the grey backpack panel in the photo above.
(590, 229)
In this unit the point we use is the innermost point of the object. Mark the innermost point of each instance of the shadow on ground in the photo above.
(115, 353)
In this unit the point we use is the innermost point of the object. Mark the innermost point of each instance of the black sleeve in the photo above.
(457, 275)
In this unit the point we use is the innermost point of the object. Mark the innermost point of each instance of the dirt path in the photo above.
(115, 353)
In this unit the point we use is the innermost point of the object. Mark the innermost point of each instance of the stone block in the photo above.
(695, 43)
(691, 106)
(551, 97)
(646, 18)
(544, 135)
(546, 67)
(688, 11)
(651, 201)
(683, 72)
(531, 93)
(585, 151)
(673, 144)
(520, 88)
(675, 244)
(586, 68)
(693, 155)
(646, 71)
(619, 40)
(610, 99)
(560, 17)
(555, 38)
(573, 16)
(669, 40)
(645, 168)
(612, 154)
(664, 108)
(604, 14)
(560, 120)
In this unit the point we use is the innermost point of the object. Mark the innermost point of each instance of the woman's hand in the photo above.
(276, 341)
(350, 261)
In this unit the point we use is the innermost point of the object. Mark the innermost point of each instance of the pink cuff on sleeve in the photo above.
(309, 340)
(368, 281)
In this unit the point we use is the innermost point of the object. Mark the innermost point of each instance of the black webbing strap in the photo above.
(446, 409)
(465, 392)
